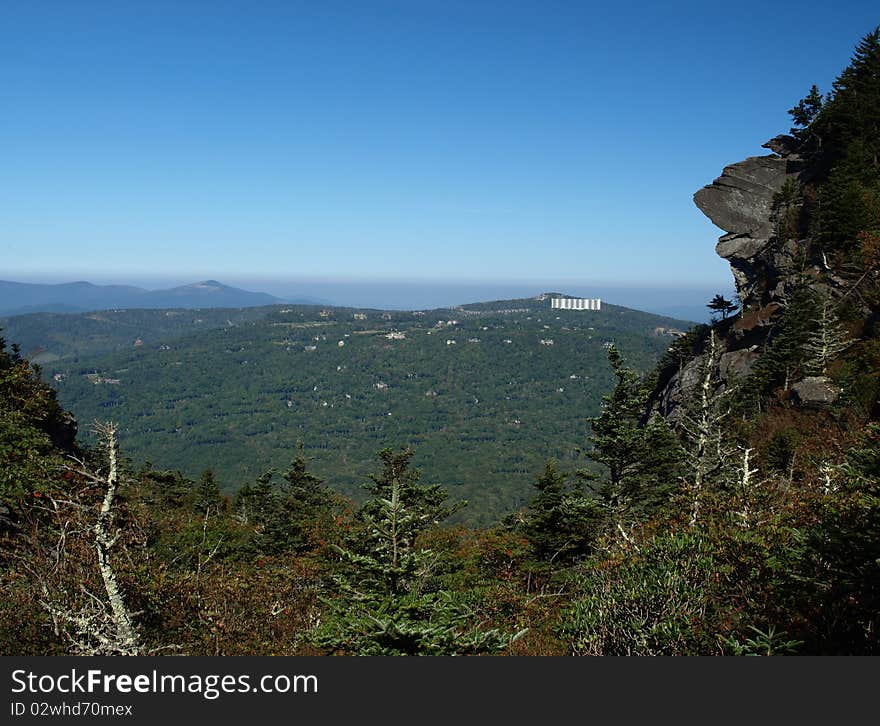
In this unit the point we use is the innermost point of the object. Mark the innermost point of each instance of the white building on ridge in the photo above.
(576, 303)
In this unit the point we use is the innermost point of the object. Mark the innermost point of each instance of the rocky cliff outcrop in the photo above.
(748, 203)
(742, 202)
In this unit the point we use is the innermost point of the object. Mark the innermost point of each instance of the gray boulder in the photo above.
(674, 396)
(815, 392)
(737, 363)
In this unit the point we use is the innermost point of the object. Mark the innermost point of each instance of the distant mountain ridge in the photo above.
(17, 298)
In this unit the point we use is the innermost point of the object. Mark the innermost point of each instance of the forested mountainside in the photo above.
(47, 337)
(735, 508)
(484, 393)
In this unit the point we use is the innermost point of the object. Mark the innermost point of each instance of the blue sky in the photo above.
(401, 140)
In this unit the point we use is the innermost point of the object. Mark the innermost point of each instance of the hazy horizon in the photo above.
(674, 300)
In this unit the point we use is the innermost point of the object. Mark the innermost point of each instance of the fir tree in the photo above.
(561, 521)
(854, 110)
(286, 514)
(207, 493)
(806, 111)
(253, 500)
(428, 503)
(721, 304)
(786, 205)
(389, 601)
(847, 162)
(642, 460)
(781, 362)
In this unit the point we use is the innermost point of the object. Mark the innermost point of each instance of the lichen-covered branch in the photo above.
(105, 539)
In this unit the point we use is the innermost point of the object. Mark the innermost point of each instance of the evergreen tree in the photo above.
(781, 362)
(721, 304)
(846, 164)
(172, 487)
(207, 494)
(308, 504)
(428, 503)
(834, 568)
(561, 521)
(389, 601)
(32, 425)
(787, 204)
(286, 514)
(806, 111)
(302, 485)
(642, 460)
(253, 500)
(853, 113)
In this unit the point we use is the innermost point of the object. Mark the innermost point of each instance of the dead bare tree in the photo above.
(827, 340)
(745, 485)
(706, 449)
(94, 625)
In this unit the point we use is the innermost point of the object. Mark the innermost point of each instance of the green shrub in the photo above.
(655, 602)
